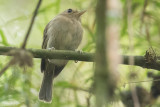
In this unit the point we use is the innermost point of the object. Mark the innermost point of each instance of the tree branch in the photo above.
(53, 54)
(142, 62)
(84, 56)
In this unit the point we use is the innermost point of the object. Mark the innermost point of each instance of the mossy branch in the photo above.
(80, 56)
(53, 54)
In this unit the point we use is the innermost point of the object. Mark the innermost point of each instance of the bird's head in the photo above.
(73, 13)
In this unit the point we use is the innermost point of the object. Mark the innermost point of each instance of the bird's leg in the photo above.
(52, 48)
(80, 52)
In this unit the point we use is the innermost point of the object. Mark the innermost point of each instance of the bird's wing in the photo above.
(45, 38)
(44, 62)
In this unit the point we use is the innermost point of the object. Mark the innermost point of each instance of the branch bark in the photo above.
(53, 54)
(76, 55)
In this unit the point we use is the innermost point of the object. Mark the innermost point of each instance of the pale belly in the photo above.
(64, 38)
(69, 42)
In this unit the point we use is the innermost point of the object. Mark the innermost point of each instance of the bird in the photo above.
(63, 32)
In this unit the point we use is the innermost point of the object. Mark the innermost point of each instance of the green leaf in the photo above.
(3, 37)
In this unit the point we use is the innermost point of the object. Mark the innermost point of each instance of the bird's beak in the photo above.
(80, 13)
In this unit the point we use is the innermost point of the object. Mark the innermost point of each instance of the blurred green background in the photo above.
(19, 87)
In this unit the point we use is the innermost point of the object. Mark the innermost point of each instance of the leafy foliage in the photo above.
(20, 86)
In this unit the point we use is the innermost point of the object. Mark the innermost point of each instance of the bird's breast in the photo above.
(66, 34)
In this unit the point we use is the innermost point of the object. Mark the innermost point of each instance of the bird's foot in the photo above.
(80, 52)
(52, 48)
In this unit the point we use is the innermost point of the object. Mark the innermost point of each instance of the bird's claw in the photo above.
(52, 48)
(80, 52)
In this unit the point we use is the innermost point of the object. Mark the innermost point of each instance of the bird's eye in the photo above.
(69, 10)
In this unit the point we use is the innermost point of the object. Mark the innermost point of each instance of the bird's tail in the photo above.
(45, 93)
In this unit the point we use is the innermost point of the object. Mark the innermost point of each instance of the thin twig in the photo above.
(26, 38)
(148, 36)
(6, 67)
(143, 12)
(135, 82)
(31, 24)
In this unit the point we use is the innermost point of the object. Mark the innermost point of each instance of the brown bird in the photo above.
(64, 32)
